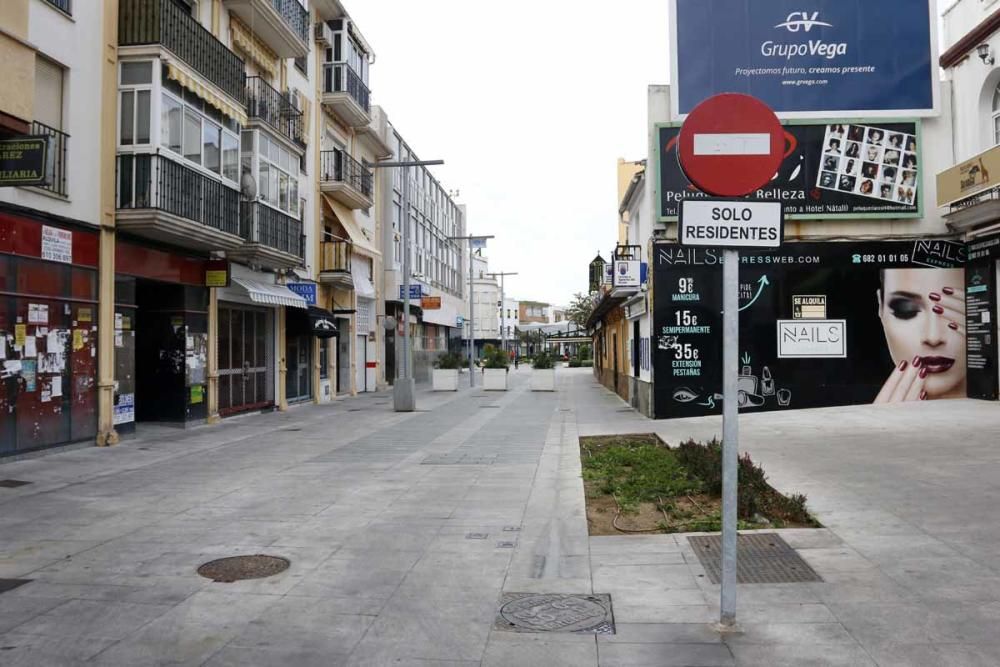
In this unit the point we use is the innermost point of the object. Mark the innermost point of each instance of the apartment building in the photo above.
(483, 322)
(438, 264)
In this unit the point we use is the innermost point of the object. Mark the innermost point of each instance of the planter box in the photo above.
(543, 379)
(445, 379)
(495, 379)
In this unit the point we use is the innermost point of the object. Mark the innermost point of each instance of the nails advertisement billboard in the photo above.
(821, 324)
(806, 58)
(834, 170)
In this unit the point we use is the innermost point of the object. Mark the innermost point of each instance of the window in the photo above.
(277, 173)
(171, 112)
(211, 143)
(48, 93)
(996, 116)
(192, 136)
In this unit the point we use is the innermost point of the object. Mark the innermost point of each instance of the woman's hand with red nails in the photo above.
(905, 383)
(949, 304)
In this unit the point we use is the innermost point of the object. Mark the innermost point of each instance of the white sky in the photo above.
(530, 104)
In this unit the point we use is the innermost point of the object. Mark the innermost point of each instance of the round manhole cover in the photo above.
(237, 568)
(555, 613)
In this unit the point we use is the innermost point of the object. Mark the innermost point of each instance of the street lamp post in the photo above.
(472, 312)
(503, 303)
(403, 394)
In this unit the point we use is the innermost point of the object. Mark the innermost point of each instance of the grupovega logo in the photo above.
(804, 22)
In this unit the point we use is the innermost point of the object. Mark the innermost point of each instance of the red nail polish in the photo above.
(916, 361)
(948, 290)
(902, 365)
(923, 396)
(923, 373)
(938, 309)
(952, 326)
(934, 296)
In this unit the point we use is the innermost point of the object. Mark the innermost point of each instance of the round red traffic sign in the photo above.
(730, 145)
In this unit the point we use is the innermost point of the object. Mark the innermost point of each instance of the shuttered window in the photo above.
(48, 93)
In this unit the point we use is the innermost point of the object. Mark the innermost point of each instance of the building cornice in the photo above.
(971, 40)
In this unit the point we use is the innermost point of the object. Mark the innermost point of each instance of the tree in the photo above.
(580, 309)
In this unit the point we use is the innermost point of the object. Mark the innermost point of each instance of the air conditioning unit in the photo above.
(324, 36)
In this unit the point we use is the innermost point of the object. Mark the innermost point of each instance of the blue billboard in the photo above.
(807, 58)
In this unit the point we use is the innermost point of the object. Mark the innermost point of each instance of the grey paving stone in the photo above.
(20, 650)
(92, 619)
(665, 655)
(511, 652)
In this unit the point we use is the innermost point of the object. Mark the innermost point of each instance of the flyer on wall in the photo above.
(830, 171)
(821, 324)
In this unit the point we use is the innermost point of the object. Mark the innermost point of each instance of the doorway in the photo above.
(361, 365)
(343, 356)
(246, 380)
(614, 355)
(636, 349)
(298, 355)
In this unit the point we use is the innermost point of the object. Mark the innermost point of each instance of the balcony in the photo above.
(166, 201)
(281, 24)
(335, 267)
(58, 144)
(345, 94)
(273, 240)
(345, 179)
(164, 23)
(266, 104)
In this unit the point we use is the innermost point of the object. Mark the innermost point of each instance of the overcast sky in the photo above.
(530, 104)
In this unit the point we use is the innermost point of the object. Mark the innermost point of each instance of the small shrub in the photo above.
(543, 361)
(449, 361)
(574, 363)
(587, 363)
(494, 358)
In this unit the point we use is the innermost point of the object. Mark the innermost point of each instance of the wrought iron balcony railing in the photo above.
(62, 5)
(153, 182)
(295, 15)
(341, 78)
(262, 224)
(336, 256)
(269, 105)
(336, 165)
(164, 22)
(58, 146)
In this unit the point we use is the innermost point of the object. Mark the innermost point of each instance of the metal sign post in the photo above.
(729, 146)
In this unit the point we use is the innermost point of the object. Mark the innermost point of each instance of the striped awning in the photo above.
(271, 295)
(255, 49)
(217, 100)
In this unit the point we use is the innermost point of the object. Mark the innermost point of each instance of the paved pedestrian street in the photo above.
(406, 530)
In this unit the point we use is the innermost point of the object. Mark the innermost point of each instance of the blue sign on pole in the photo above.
(416, 291)
(807, 58)
(306, 290)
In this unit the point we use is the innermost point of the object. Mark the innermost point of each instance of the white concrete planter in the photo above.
(543, 379)
(445, 379)
(495, 379)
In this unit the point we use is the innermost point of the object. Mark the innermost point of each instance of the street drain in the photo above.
(238, 568)
(12, 483)
(476, 536)
(762, 558)
(11, 584)
(556, 612)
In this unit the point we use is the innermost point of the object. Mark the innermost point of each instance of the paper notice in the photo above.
(77, 339)
(119, 340)
(20, 333)
(56, 386)
(30, 347)
(118, 320)
(3, 346)
(46, 394)
(38, 313)
(52, 343)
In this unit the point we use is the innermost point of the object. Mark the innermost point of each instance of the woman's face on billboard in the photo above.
(923, 315)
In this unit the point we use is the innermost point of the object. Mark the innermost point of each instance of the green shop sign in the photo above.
(24, 161)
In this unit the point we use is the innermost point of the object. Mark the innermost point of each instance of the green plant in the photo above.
(494, 358)
(543, 361)
(574, 363)
(449, 361)
(584, 353)
(637, 472)
(587, 363)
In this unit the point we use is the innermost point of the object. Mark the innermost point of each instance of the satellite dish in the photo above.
(248, 186)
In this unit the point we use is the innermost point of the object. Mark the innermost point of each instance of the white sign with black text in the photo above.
(730, 223)
(812, 339)
(627, 272)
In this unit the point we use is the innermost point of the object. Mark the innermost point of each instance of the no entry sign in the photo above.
(731, 145)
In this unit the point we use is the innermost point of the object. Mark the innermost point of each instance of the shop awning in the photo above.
(195, 85)
(363, 287)
(271, 295)
(346, 220)
(322, 322)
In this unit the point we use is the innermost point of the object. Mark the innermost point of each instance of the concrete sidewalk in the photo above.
(376, 510)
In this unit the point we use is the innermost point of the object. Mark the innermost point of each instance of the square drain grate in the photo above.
(556, 612)
(12, 483)
(762, 558)
(11, 584)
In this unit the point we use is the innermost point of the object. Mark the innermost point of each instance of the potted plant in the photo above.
(494, 369)
(543, 377)
(445, 376)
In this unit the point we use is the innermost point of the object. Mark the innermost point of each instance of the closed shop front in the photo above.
(48, 335)
(246, 358)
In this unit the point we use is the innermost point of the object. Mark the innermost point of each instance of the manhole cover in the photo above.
(12, 483)
(237, 568)
(11, 584)
(762, 558)
(556, 612)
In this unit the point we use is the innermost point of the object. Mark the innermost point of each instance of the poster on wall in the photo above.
(848, 57)
(981, 307)
(880, 313)
(830, 171)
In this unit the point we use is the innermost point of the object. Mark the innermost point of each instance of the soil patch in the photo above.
(638, 484)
